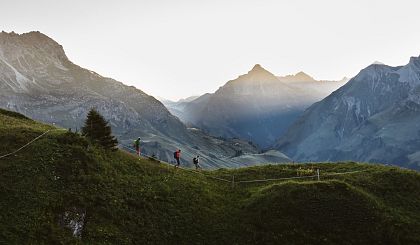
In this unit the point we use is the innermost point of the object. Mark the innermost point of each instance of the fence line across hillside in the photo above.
(30, 142)
(191, 170)
(233, 182)
(349, 172)
(287, 178)
(303, 177)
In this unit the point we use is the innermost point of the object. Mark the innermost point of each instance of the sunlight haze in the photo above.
(175, 49)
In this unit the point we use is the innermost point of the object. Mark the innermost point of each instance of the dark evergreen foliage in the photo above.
(97, 130)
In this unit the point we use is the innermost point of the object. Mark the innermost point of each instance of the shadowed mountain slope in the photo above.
(375, 117)
(38, 80)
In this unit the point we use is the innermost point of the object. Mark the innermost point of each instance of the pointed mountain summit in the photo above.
(258, 69)
(256, 106)
(303, 75)
(257, 74)
(298, 77)
(257, 81)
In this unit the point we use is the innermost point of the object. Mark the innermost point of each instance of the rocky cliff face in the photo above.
(375, 117)
(38, 80)
(257, 106)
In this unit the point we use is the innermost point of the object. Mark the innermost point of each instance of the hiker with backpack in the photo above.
(137, 146)
(177, 156)
(196, 161)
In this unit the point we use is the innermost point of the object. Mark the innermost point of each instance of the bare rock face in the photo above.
(38, 80)
(257, 106)
(74, 220)
(375, 117)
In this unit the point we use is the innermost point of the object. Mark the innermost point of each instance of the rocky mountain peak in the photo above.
(415, 61)
(14, 46)
(378, 63)
(257, 74)
(298, 77)
(303, 76)
(257, 67)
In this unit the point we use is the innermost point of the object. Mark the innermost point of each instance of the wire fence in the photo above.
(233, 182)
(318, 175)
(193, 171)
(276, 179)
(30, 142)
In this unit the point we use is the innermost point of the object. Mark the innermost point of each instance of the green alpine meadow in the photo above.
(239, 122)
(66, 189)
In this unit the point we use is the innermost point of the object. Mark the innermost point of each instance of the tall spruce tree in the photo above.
(97, 130)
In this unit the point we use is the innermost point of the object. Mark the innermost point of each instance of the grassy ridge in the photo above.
(124, 200)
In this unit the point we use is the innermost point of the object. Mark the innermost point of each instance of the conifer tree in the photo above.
(98, 131)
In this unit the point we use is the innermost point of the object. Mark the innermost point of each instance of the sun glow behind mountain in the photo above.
(183, 48)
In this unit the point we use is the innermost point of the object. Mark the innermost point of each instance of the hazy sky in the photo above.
(177, 48)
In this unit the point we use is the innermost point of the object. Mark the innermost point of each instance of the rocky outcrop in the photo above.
(373, 118)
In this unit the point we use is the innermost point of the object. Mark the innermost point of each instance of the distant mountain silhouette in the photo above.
(257, 106)
(298, 77)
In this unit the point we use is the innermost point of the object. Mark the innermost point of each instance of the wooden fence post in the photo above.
(317, 173)
(233, 181)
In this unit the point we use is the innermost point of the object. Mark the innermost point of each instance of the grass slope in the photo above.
(123, 200)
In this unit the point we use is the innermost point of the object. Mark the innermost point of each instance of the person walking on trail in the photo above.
(177, 156)
(196, 161)
(137, 146)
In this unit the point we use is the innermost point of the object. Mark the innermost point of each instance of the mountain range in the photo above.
(257, 106)
(38, 80)
(375, 118)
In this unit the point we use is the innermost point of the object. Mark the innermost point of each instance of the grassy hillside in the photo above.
(60, 182)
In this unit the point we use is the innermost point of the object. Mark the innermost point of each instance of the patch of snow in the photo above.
(21, 80)
(18, 59)
(378, 63)
(351, 103)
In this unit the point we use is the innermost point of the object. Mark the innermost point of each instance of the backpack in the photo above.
(195, 160)
(136, 143)
(175, 154)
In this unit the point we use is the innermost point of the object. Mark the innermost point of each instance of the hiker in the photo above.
(196, 161)
(137, 146)
(177, 156)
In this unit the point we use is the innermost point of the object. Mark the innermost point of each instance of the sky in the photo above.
(178, 48)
